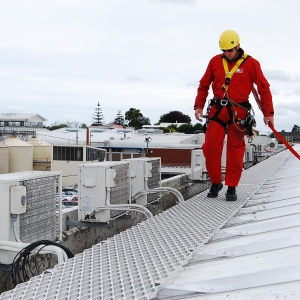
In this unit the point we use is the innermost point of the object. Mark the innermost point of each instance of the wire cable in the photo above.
(21, 270)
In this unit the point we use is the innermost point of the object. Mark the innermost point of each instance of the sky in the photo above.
(59, 58)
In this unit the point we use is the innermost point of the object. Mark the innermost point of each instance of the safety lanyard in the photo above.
(230, 73)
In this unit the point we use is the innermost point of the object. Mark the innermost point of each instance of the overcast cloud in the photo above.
(59, 58)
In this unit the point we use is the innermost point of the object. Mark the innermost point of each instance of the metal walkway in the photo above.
(132, 264)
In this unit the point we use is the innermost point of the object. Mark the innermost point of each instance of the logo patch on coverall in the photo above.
(239, 71)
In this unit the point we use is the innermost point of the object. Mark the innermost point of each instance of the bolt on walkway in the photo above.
(132, 264)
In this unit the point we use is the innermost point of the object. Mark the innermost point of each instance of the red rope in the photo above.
(280, 137)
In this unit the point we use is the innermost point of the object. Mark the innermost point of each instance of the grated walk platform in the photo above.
(130, 265)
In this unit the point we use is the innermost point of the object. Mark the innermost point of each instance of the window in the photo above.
(95, 154)
(67, 153)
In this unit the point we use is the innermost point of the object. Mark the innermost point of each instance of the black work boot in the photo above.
(214, 190)
(231, 194)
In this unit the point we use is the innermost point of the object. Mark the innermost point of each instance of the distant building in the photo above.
(21, 120)
(67, 158)
(291, 137)
(20, 124)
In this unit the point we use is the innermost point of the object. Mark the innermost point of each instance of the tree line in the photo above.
(134, 118)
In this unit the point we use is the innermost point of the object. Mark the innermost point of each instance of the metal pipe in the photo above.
(156, 190)
(126, 207)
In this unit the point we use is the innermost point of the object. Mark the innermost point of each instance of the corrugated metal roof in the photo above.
(203, 248)
(21, 117)
(255, 255)
(120, 139)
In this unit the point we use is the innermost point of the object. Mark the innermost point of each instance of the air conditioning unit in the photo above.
(145, 174)
(249, 154)
(101, 186)
(223, 157)
(261, 150)
(31, 197)
(198, 168)
(272, 145)
(281, 146)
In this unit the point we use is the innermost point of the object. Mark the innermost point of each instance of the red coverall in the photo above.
(239, 89)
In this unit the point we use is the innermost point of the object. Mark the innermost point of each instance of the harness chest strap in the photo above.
(228, 77)
(230, 73)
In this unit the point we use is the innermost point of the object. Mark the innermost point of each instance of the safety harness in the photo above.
(230, 73)
(249, 122)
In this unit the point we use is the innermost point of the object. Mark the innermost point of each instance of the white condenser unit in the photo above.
(261, 150)
(145, 175)
(198, 168)
(223, 157)
(103, 188)
(29, 208)
(273, 145)
(249, 154)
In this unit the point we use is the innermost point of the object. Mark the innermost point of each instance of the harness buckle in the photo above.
(227, 81)
(224, 102)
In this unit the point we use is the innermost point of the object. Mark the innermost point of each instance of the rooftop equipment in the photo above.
(28, 210)
(145, 180)
(104, 192)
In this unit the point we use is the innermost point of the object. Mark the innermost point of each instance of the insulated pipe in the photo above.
(127, 207)
(15, 231)
(159, 189)
(60, 253)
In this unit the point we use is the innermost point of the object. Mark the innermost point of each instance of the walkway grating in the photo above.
(131, 264)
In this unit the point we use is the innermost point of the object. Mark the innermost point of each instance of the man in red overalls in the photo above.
(232, 75)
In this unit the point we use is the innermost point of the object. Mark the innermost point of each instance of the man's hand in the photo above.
(199, 114)
(255, 132)
(269, 120)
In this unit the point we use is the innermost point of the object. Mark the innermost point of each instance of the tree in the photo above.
(272, 135)
(119, 119)
(136, 119)
(56, 125)
(186, 128)
(296, 128)
(98, 118)
(68, 124)
(73, 124)
(174, 117)
(198, 128)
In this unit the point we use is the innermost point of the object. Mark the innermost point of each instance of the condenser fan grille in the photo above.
(39, 221)
(120, 194)
(154, 181)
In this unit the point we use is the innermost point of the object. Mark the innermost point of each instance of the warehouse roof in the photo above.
(201, 248)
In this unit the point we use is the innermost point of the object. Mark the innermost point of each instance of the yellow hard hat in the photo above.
(229, 39)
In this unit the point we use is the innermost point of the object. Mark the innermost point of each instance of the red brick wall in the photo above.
(172, 157)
